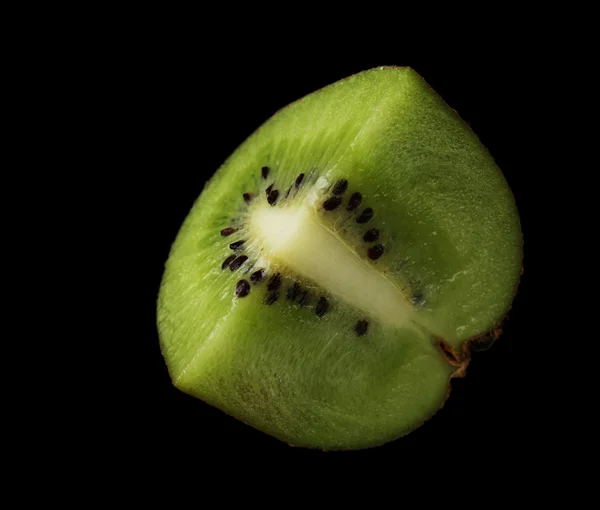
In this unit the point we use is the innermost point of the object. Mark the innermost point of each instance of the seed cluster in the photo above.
(334, 201)
(294, 292)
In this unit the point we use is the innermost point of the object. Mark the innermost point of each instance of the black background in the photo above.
(183, 111)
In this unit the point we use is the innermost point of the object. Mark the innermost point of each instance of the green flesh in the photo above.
(451, 234)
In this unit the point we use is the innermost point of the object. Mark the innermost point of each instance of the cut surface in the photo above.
(309, 287)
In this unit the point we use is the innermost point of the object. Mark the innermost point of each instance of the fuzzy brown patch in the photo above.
(448, 352)
(452, 357)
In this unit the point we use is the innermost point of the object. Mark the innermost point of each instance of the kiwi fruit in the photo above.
(328, 282)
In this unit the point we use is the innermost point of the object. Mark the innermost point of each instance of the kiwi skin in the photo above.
(454, 352)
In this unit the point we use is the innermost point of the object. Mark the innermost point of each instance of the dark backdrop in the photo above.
(183, 112)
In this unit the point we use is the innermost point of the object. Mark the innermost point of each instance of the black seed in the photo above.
(417, 299)
(268, 190)
(265, 172)
(375, 252)
(340, 187)
(242, 289)
(293, 291)
(238, 262)
(272, 198)
(228, 231)
(365, 216)
(227, 261)
(247, 197)
(257, 276)
(274, 282)
(271, 298)
(236, 245)
(332, 203)
(371, 235)
(288, 192)
(322, 306)
(299, 180)
(304, 299)
(354, 201)
(360, 328)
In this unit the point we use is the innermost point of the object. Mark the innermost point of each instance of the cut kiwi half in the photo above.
(327, 283)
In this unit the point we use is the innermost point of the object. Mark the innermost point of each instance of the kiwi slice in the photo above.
(327, 283)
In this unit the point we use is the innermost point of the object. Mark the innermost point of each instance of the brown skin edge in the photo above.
(468, 347)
